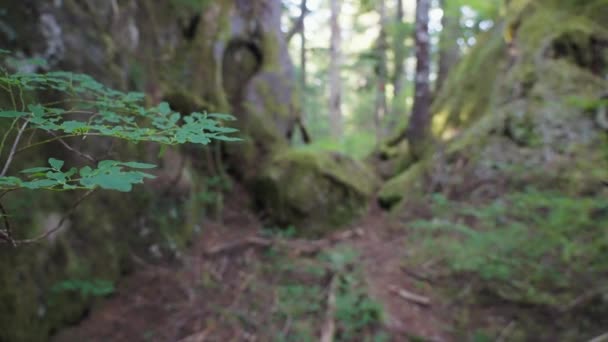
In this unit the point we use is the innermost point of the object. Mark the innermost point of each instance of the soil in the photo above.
(226, 297)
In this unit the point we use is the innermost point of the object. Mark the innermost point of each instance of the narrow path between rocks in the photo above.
(227, 298)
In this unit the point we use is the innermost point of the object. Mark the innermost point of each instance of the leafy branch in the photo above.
(84, 107)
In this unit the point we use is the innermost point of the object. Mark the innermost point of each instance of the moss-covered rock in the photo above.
(519, 101)
(523, 105)
(313, 191)
(406, 184)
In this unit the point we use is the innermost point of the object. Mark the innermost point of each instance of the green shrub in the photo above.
(537, 247)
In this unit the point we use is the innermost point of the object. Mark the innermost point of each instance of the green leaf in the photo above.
(138, 165)
(36, 170)
(85, 171)
(41, 183)
(10, 182)
(12, 114)
(164, 108)
(37, 110)
(56, 163)
(109, 182)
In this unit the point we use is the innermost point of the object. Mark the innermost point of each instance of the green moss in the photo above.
(407, 184)
(468, 91)
(97, 245)
(315, 191)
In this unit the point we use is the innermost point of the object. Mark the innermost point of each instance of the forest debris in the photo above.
(417, 275)
(601, 338)
(198, 337)
(506, 332)
(295, 246)
(583, 299)
(329, 327)
(410, 296)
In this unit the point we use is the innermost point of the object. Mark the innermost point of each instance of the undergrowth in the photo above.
(532, 248)
(303, 290)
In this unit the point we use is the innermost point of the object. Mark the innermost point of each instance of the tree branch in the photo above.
(297, 26)
(60, 224)
(7, 233)
(9, 160)
(71, 149)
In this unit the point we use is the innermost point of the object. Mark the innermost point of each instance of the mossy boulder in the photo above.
(314, 191)
(529, 116)
(406, 184)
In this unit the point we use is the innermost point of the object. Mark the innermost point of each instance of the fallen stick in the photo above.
(506, 332)
(296, 247)
(230, 246)
(601, 338)
(329, 328)
(409, 296)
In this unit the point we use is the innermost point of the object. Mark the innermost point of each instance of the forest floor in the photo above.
(238, 282)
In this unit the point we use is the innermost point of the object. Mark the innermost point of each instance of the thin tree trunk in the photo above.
(398, 104)
(380, 111)
(335, 83)
(449, 52)
(418, 131)
(303, 46)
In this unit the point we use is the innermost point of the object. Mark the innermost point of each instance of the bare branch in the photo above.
(329, 327)
(9, 160)
(297, 25)
(601, 338)
(409, 296)
(71, 149)
(60, 224)
(6, 234)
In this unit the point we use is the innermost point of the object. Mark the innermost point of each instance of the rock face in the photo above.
(313, 191)
(543, 80)
(216, 56)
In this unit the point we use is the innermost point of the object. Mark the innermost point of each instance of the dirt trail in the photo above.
(168, 303)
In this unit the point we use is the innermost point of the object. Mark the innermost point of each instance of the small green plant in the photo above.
(284, 233)
(86, 288)
(356, 313)
(81, 107)
(530, 246)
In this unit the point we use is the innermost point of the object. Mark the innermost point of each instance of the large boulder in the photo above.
(314, 191)
(544, 119)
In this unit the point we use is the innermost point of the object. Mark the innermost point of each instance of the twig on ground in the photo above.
(296, 246)
(409, 296)
(583, 299)
(417, 275)
(287, 327)
(506, 332)
(601, 338)
(329, 327)
(198, 337)
(242, 289)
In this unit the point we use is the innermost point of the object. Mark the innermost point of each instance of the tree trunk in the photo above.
(303, 46)
(335, 83)
(398, 104)
(417, 132)
(381, 73)
(449, 53)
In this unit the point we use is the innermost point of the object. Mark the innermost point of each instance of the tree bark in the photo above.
(335, 83)
(398, 79)
(303, 11)
(417, 132)
(380, 111)
(449, 53)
